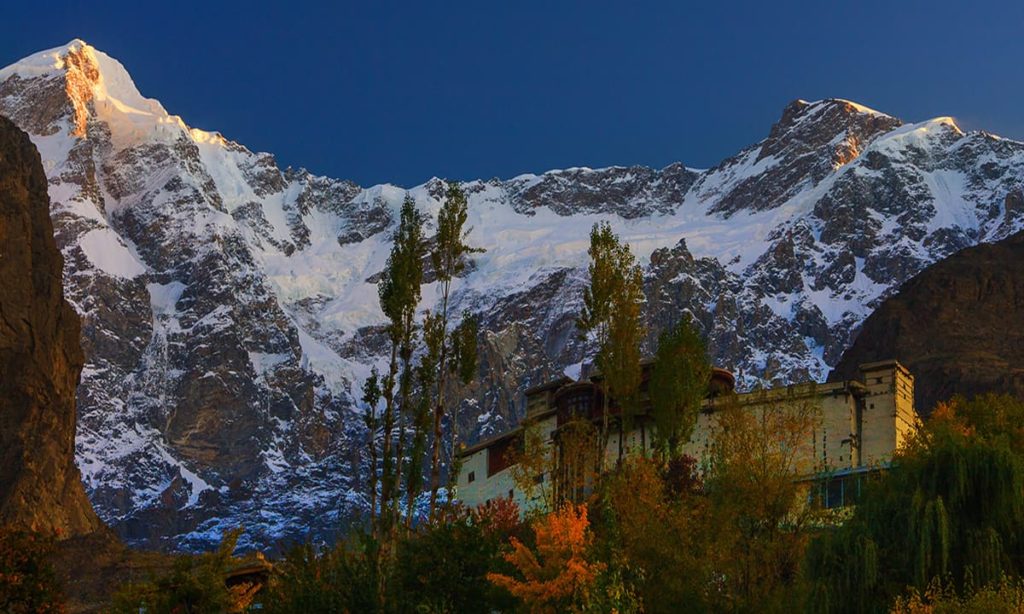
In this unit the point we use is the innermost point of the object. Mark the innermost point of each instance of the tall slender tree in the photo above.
(595, 318)
(679, 382)
(371, 398)
(611, 314)
(399, 292)
(619, 359)
(426, 377)
(414, 250)
(463, 367)
(449, 260)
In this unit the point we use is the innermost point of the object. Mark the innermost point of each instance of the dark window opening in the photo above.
(837, 492)
(471, 477)
(501, 455)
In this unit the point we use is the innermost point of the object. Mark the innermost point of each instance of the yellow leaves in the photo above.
(946, 415)
(558, 573)
(1006, 595)
(241, 596)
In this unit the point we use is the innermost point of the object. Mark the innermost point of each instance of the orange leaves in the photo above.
(558, 574)
(946, 414)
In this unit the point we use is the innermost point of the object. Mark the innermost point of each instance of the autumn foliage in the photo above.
(558, 576)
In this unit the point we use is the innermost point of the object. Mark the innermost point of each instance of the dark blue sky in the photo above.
(385, 91)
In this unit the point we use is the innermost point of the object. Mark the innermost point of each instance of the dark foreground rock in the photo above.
(958, 326)
(40, 356)
(40, 364)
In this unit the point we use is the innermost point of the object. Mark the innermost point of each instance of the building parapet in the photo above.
(862, 423)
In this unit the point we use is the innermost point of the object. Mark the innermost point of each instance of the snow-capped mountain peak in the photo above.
(93, 77)
(230, 312)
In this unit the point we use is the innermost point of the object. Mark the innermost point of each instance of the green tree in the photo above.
(426, 378)
(678, 385)
(949, 508)
(371, 398)
(443, 567)
(619, 359)
(463, 366)
(448, 257)
(611, 314)
(399, 291)
(195, 584)
(338, 579)
(595, 317)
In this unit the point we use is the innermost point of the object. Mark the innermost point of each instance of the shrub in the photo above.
(27, 580)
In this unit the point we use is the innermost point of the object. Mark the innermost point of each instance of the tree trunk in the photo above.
(373, 476)
(435, 457)
(389, 424)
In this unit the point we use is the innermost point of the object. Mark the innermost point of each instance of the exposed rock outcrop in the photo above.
(958, 326)
(40, 356)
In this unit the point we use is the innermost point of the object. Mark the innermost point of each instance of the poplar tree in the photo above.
(426, 376)
(678, 385)
(463, 367)
(371, 398)
(414, 250)
(594, 319)
(619, 359)
(449, 260)
(611, 314)
(399, 293)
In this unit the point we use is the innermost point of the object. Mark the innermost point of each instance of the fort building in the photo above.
(857, 425)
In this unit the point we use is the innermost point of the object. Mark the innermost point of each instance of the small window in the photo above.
(872, 406)
(834, 494)
(878, 380)
(471, 477)
(510, 494)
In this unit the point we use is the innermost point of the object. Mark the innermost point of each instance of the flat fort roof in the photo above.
(486, 443)
(555, 383)
(884, 364)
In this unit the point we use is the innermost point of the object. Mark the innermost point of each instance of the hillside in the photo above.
(956, 326)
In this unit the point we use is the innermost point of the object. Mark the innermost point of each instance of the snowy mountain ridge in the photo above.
(229, 320)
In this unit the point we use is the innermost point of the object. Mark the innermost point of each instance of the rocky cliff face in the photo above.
(40, 357)
(230, 317)
(957, 326)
